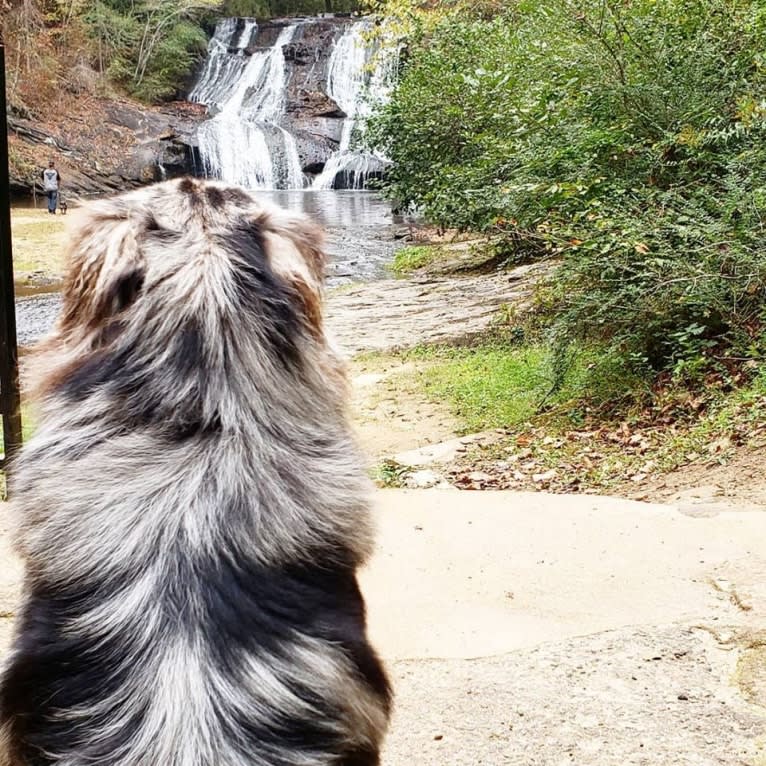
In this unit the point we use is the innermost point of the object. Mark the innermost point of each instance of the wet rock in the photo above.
(313, 103)
(313, 117)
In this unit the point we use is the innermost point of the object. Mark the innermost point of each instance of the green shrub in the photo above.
(151, 49)
(626, 139)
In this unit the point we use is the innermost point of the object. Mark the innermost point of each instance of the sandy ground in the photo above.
(389, 421)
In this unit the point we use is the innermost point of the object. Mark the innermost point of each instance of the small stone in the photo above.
(422, 479)
(683, 697)
(438, 737)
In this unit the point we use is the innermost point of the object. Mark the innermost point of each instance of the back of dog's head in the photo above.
(187, 276)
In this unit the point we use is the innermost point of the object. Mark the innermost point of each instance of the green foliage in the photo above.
(390, 474)
(414, 257)
(173, 59)
(496, 384)
(149, 47)
(626, 139)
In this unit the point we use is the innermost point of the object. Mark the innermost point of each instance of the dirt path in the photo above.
(388, 422)
(401, 313)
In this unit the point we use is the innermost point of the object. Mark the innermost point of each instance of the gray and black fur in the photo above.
(192, 510)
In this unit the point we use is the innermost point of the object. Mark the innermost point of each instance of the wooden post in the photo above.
(10, 394)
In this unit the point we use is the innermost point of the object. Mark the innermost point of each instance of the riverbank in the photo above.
(443, 397)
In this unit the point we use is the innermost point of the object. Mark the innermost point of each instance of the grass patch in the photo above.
(599, 430)
(410, 259)
(390, 475)
(38, 242)
(602, 429)
(499, 386)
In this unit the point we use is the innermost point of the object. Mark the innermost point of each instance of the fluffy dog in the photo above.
(192, 509)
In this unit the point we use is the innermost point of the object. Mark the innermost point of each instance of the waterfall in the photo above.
(225, 62)
(244, 143)
(359, 75)
(272, 114)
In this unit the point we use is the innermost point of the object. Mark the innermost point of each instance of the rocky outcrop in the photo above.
(311, 114)
(105, 145)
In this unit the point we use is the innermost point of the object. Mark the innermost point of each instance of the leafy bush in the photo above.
(625, 138)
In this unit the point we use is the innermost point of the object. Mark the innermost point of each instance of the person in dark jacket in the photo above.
(51, 182)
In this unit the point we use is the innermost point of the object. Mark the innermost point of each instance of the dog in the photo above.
(63, 206)
(192, 509)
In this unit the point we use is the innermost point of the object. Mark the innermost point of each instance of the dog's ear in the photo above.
(306, 237)
(295, 251)
(297, 271)
(105, 268)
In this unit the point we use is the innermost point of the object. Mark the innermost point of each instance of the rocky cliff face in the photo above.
(103, 145)
(311, 115)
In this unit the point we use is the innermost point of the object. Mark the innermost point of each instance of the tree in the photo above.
(159, 16)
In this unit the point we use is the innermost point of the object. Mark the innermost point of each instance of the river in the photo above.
(362, 236)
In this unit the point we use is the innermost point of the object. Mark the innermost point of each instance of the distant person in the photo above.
(51, 181)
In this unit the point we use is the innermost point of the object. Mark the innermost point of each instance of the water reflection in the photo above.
(335, 208)
(361, 229)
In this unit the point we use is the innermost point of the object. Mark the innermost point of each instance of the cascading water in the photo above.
(225, 61)
(244, 143)
(272, 115)
(356, 86)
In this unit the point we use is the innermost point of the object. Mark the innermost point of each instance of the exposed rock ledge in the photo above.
(398, 313)
(102, 145)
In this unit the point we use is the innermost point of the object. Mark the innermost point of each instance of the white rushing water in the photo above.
(247, 141)
(244, 143)
(226, 59)
(360, 74)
